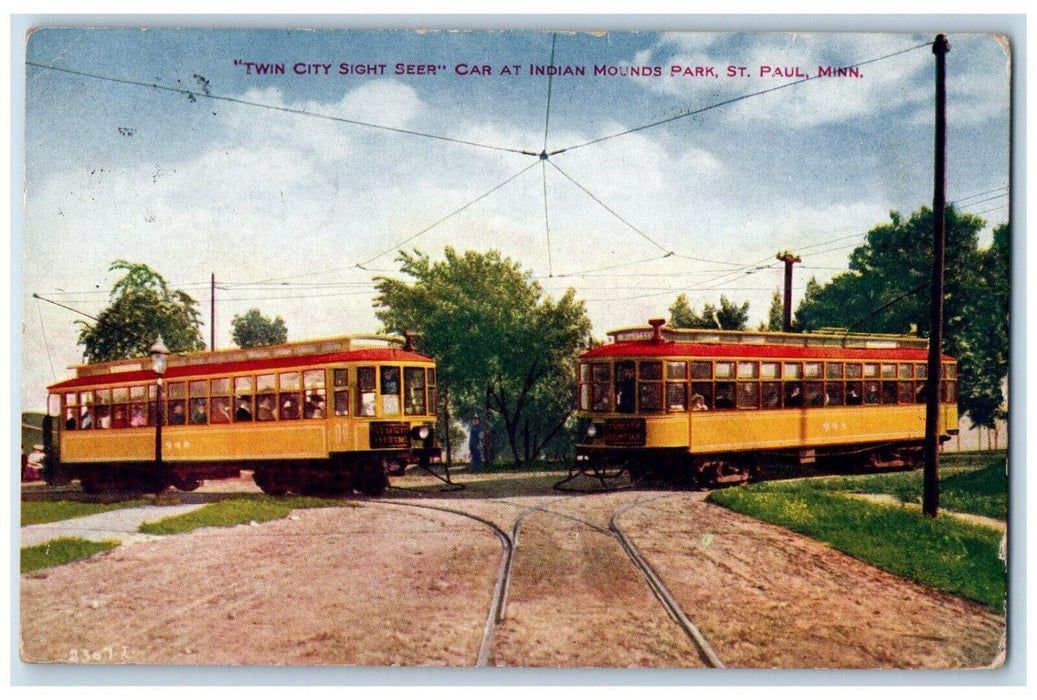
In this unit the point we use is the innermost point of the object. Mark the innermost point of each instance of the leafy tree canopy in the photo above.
(499, 343)
(142, 307)
(253, 330)
(728, 317)
(886, 290)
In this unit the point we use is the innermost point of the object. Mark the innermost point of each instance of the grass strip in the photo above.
(978, 489)
(39, 512)
(944, 553)
(238, 511)
(61, 551)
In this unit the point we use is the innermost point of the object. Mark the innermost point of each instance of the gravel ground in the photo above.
(379, 584)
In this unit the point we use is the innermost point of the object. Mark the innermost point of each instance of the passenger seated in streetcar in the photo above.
(119, 417)
(138, 419)
(265, 411)
(220, 410)
(698, 403)
(244, 412)
(176, 413)
(793, 396)
(314, 407)
(198, 416)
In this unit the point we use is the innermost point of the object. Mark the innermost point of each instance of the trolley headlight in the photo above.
(420, 432)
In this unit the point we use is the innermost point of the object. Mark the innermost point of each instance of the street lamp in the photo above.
(159, 355)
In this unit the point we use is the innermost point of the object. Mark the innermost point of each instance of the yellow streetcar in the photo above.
(706, 407)
(325, 416)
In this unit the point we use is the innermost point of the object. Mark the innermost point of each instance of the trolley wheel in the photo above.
(266, 483)
(370, 480)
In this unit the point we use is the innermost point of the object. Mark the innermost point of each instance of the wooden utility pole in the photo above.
(931, 475)
(789, 259)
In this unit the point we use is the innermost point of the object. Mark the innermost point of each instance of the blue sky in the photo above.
(663, 185)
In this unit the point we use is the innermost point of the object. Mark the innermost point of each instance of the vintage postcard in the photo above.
(514, 349)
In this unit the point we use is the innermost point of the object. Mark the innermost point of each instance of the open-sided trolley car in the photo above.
(707, 407)
(323, 416)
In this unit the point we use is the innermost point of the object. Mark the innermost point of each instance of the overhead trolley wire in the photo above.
(692, 112)
(287, 110)
(441, 220)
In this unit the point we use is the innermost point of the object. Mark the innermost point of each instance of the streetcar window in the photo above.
(748, 370)
(950, 370)
(676, 370)
(920, 392)
(177, 413)
(834, 394)
(889, 392)
(365, 377)
(390, 389)
(266, 406)
(770, 370)
(119, 418)
(199, 414)
(342, 402)
(625, 386)
(834, 370)
(313, 388)
(905, 370)
(266, 383)
(196, 389)
(431, 383)
(793, 394)
(811, 370)
(793, 370)
(701, 369)
(871, 391)
(585, 372)
(905, 392)
(950, 392)
(649, 396)
(220, 406)
(220, 387)
(102, 411)
(651, 371)
(724, 394)
(921, 370)
(748, 394)
(813, 393)
(889, 370)
(288, 399)
(243, 388)
(854, 393)
(676, 396)
(853, 370)
(594, 386)
(725, 370)
(871, 370)
(705, 390)
(414, 391)
(120, 410)
(176, 390)
(770, 392)
(340, 377)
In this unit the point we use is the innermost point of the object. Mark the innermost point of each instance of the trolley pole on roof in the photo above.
(931, 476)
(789, 259)
(212, 312)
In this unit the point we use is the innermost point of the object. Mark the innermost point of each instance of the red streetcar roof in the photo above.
(733, 350)
(179, 371)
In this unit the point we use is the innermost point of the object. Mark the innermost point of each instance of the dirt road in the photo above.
(381, 584)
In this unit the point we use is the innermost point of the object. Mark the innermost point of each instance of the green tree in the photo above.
(886, 290)
(775, 314)
(142, 306)
(500, 344)
(253, 330)
(728, 317)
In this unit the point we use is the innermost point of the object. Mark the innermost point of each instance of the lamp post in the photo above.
(159, 354)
